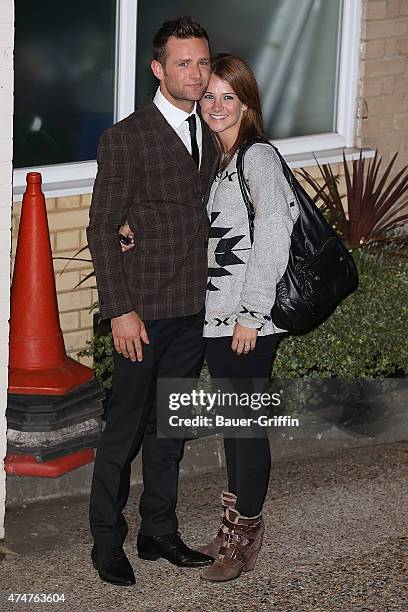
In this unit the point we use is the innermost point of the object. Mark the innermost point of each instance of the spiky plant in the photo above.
(76, 258)
(377, 208)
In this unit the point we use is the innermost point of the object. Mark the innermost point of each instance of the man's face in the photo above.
(184, 77)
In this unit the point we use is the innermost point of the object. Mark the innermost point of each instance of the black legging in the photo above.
(248, 459)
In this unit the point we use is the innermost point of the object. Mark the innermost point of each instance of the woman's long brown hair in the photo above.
(236, 72)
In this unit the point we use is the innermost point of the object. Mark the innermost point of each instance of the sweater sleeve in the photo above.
(273, 200)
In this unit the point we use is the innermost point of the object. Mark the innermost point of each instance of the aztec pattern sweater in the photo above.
(242, 279)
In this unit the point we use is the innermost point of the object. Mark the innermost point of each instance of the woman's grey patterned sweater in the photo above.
(242, 279)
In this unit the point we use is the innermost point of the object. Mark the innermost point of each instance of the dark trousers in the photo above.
(175, 351)
(248, 459)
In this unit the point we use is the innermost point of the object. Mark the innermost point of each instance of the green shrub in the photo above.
(101, 349)
(366, 336)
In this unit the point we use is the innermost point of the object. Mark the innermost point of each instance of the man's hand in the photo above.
(127, 233)
(128, 332)
(243, 339)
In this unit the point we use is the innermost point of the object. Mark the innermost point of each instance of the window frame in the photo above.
(344, 136)
(78, 177)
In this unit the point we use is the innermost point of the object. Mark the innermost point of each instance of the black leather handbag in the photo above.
(321, 272)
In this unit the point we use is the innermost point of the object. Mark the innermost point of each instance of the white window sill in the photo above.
(298, 160)
(330, 156)
(59, 189)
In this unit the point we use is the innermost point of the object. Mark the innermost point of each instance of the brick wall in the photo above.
(6, 127)
(383, 88)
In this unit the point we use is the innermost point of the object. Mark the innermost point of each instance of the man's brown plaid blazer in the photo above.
(147, 177)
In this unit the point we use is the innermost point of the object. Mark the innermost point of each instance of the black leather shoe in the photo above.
(113, 565)
(172, 548)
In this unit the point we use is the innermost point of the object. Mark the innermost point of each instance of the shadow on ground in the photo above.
(336, 539)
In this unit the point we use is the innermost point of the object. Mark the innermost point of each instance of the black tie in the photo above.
(194, 146)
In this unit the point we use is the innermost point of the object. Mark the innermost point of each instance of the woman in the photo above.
(242, 339)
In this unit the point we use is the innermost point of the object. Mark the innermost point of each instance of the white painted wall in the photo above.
(6, 152)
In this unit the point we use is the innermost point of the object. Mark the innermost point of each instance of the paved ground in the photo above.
(336, 539)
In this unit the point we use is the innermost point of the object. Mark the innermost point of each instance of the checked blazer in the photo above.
(147, 177)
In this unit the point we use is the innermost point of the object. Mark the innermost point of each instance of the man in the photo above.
(154, 170)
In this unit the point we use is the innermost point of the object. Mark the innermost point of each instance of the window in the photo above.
(72, 66)
(64, 80)
(292, 46)
(303, 52)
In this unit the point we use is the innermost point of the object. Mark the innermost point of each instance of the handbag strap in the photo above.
(246, 194)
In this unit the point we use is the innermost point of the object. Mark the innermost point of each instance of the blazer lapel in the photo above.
(172, 142)
(177, 151)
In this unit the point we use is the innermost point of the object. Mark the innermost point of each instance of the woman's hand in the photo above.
(127, 233)
(243, 339)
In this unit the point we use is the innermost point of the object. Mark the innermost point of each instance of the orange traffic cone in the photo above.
(38, 362)
(26, 465)
(54, 402)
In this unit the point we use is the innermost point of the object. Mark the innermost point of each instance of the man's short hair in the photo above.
(182, 27)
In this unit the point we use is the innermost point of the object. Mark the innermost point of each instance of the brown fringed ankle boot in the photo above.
(212, 549)
(239, 551)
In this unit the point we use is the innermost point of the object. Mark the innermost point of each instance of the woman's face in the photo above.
(222, 110)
